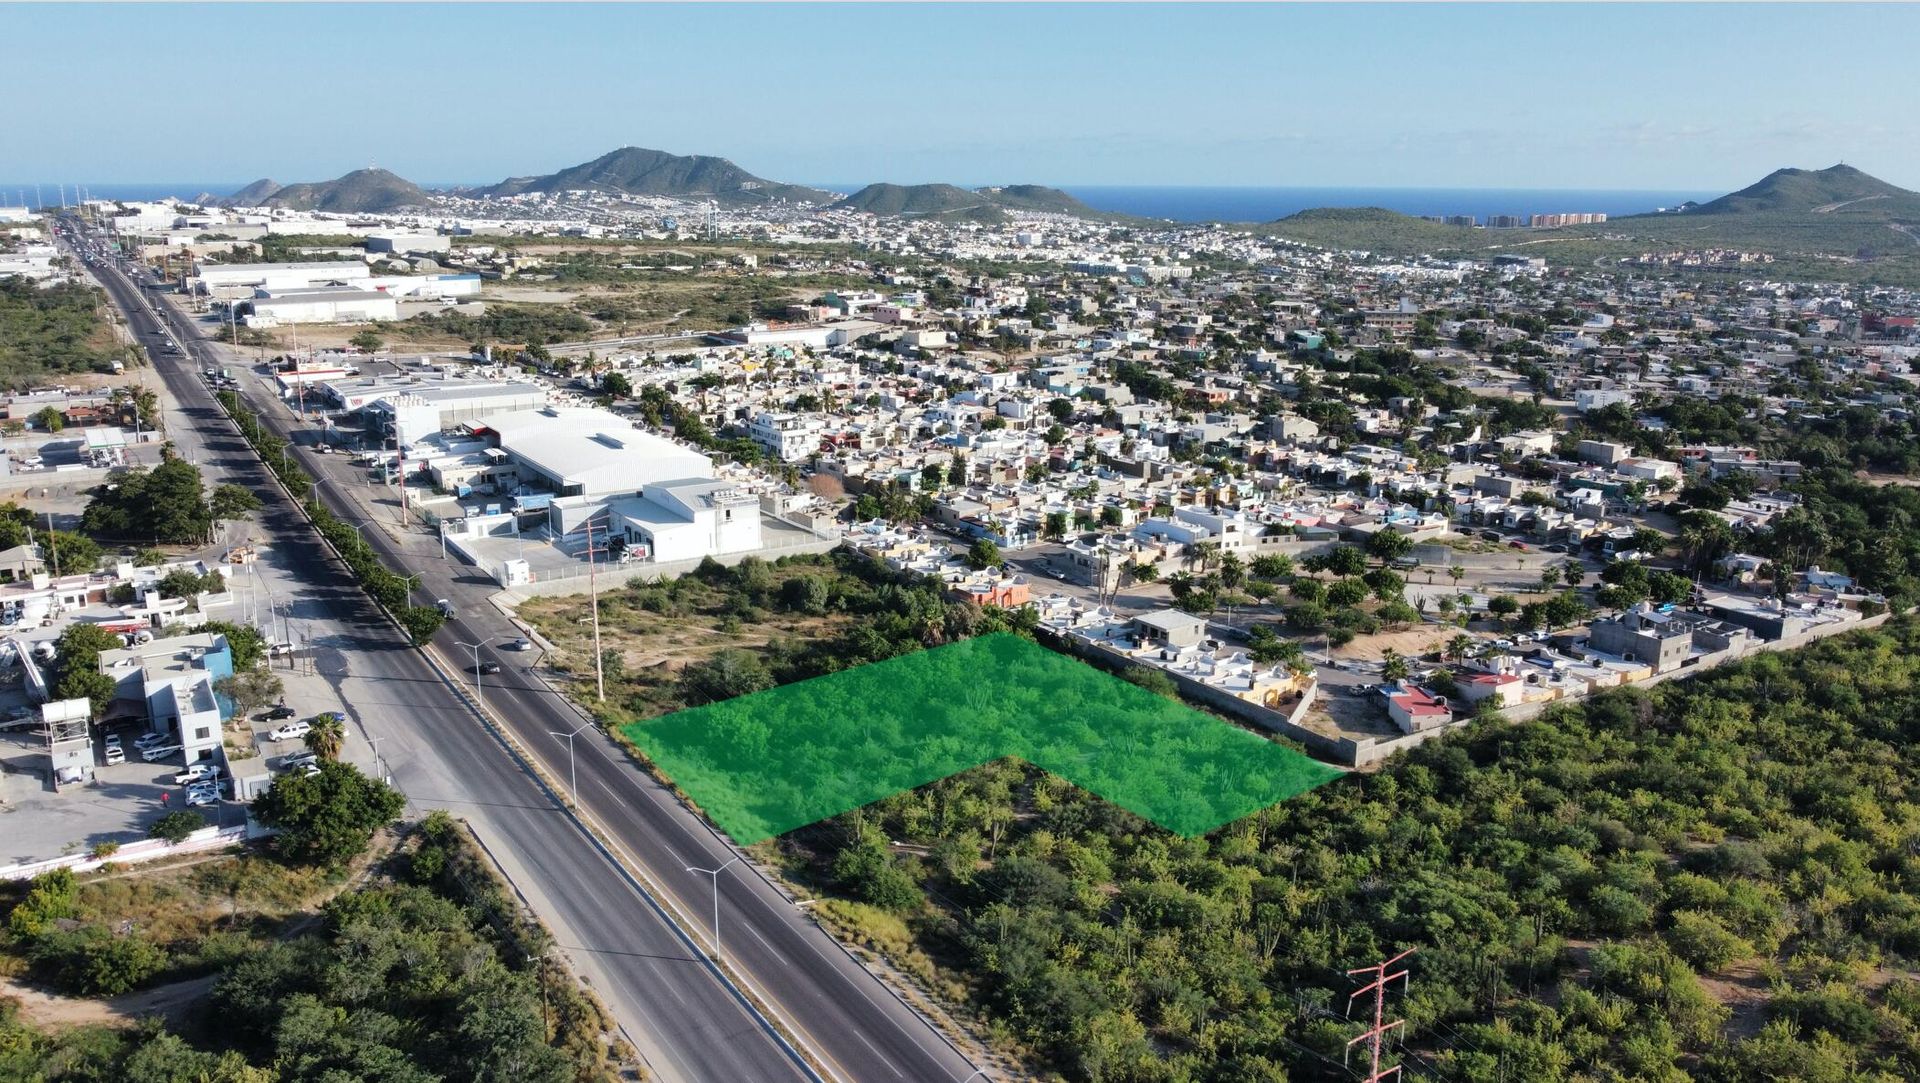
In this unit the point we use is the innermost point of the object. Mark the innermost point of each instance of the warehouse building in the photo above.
(580, 451)
(410, 411)
(240, 280)
(323, 304)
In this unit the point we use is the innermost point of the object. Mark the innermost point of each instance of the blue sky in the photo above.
(1609, 96)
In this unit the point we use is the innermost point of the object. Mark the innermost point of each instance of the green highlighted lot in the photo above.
(766, 763)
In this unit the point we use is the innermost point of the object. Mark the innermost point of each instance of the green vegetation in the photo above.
(167, 505)
(54, 331)
(947, 202)
(369, 190)
(520, 324)
(429, 972)
(1712, 879)
(327, 818)
(765, 763)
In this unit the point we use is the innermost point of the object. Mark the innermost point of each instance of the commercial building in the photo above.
(170, 683)
(409, 409)
(323, 304)
(224, 279)
(580, 451)
(686, 520)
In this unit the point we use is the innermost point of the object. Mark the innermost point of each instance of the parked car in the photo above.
(159, 752)
(198, 798)
(114, 754)
(207, 773)
(149, 740)
(1520, 545)
(289, 731)
(275, 714)
(298, 760)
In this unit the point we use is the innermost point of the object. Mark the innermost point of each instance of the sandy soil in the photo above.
(1416, 640)
(170, 1002)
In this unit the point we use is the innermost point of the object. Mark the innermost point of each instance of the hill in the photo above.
(254, 194)
(951, 202)
(1370, 229)
(363, 190)
(1809, 191)
(639, 171)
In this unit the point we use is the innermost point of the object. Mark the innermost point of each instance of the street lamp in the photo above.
(477, 694)
(573, 777)
(715, 873)
(978, 1073)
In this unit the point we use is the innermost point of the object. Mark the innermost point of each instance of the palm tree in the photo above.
(328, 734)
(1456, 573)
(1459, 645)
(1393, 666)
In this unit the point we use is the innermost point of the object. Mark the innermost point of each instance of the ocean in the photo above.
(1181, 204)
(1266, 204)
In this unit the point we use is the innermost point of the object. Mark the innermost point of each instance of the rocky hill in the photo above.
(639, 171)
(363, 190)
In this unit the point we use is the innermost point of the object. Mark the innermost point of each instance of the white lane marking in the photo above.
(771, 950)
(877, 1053)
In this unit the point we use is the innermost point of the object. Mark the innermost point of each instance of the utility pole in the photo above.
(593, 595)
(1378, 987)
(53, 547)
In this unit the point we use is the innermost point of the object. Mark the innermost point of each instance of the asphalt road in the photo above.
(686, 1020)
(844, 1015)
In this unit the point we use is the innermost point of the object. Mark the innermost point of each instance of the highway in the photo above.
(685, 1020)
(854, 1025)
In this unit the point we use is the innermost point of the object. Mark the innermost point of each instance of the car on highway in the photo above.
(487, 669)
(520, 645)
(289, 731)
(446, 609)
(275, 714)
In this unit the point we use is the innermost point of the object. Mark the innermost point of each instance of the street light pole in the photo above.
(477, 693)
(715, 873)
(573, 777)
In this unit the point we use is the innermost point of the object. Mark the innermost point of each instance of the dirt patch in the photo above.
(170, 1002)
(1744, 993)
(1409, 642)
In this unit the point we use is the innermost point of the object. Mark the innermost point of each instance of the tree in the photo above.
(328, 735)
(1387, 545)
(983, 554)
(48, 419)
(367, 339)
(328, 818)
(174, 827)
(250, 689)
(165, 504)
(617, 385)
(230, 501)
(1055, 524)
(727, 674)
(1458, 646)
(1346, 560)
(1549, 577)
(421, 622)
(1393, 666)
(1503, 605)
(71, 553)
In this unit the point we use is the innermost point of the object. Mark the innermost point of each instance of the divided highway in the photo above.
(852, 1023)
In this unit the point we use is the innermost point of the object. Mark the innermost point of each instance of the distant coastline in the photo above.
(1180, 203)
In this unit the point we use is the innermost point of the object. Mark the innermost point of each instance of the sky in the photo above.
(1640, 96)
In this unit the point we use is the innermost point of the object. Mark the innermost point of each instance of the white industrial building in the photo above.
(242, 279)
(322, 304)
(426, 287)
(687, 520)
(410, 411)
(581, 451)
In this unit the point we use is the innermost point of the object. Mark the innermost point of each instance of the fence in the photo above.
(207, 838)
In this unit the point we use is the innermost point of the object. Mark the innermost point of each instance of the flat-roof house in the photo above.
(1170, 628)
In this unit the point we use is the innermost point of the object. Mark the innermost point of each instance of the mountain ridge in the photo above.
(370, 190)
(950, 201)
(642, 171)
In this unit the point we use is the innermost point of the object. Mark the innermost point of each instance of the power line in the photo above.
(1378, 987)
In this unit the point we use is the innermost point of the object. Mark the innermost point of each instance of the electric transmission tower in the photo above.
(1383, 975)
